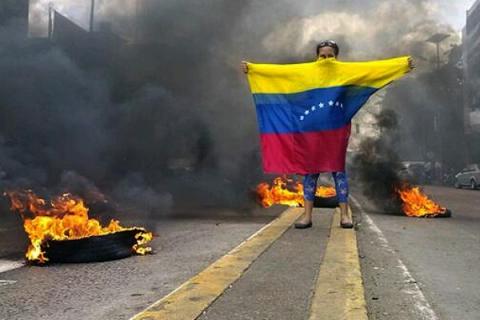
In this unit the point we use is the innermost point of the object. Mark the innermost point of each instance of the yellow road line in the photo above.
(339, 290)
(189, 300)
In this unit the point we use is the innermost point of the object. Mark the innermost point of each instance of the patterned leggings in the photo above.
(341, 186)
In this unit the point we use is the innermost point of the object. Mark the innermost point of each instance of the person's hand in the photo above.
(411, 64)
(244, 66)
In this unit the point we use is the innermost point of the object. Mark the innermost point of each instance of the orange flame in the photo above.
(65, 217)
(287, 192)
(417, 204)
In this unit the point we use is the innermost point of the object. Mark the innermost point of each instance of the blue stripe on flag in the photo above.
(313, 110)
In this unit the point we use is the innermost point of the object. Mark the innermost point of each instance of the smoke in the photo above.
(151, 127)
(378, 30)
(78, 11)
(475, 116)
(377, 165)
(165, 118)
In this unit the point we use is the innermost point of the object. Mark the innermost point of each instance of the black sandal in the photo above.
(300, 225)
(346, 225)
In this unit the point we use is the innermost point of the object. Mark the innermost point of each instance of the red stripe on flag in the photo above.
(301, 153)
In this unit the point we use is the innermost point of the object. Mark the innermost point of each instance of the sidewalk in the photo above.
(278, 273)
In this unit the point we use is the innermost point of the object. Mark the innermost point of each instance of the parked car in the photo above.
(468, 177)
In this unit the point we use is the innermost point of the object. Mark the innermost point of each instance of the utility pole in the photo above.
(92, 15)
(50, 20)
(135, 30)
(437, 39)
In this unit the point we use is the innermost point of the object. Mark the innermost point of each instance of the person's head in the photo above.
(327, 49)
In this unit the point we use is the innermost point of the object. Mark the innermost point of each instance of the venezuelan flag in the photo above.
(305, 110)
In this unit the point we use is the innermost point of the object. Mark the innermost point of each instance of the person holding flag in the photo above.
(304, 114)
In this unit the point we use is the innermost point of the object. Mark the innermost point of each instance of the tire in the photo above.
(473, 184)
(447, 214)
(457, 185)
(321, 202)
(112, 246)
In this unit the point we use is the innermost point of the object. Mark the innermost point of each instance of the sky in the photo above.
(452, 12)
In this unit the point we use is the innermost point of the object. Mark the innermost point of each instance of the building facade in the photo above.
(471, 60)
(471, 67)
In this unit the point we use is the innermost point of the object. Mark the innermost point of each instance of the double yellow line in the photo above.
(338, 288)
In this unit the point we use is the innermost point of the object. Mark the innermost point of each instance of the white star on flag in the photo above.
(313, 108)
(321, 105)
(337, 104)
(307, 112)
(330, 103)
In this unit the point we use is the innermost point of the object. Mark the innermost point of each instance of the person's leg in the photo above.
(309, 189)
(341, 187)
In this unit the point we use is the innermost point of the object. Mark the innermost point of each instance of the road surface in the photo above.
(411, 268)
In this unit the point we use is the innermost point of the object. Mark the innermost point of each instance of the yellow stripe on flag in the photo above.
(324, 73)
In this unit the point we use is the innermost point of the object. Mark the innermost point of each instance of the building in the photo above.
(471, 64)
(471, 59)
(88, 48)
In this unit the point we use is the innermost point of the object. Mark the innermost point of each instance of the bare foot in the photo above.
(346, 221)
(345, 218)
(304, 219)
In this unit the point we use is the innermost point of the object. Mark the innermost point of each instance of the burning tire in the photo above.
(325, 202)
(111, 246)
(61, 231)
(446, 214)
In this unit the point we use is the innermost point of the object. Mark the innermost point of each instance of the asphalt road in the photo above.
(119, 289)
(279, 284)
(412, 268)
(423, 268)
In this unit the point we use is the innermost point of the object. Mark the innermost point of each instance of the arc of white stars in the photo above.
(321, 105)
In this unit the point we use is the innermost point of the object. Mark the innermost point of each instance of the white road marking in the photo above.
(7, 265)
(420, 302)
(7, 282)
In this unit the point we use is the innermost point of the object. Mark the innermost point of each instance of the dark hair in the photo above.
(328, 43)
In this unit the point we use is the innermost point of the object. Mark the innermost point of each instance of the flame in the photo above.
(417, 204)
(65, 217)
(287, 192)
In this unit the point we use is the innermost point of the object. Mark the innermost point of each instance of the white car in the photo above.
(468, 177)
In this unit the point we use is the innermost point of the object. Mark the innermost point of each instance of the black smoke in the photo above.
(377, 164)
(165, 120)
(162, 117)
(421, 120)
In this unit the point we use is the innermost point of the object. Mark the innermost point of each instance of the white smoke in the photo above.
(390, 28)
(79, 12)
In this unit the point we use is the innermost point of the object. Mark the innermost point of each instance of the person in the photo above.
(325, 50)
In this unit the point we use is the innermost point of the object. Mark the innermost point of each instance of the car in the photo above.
(468, 177)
